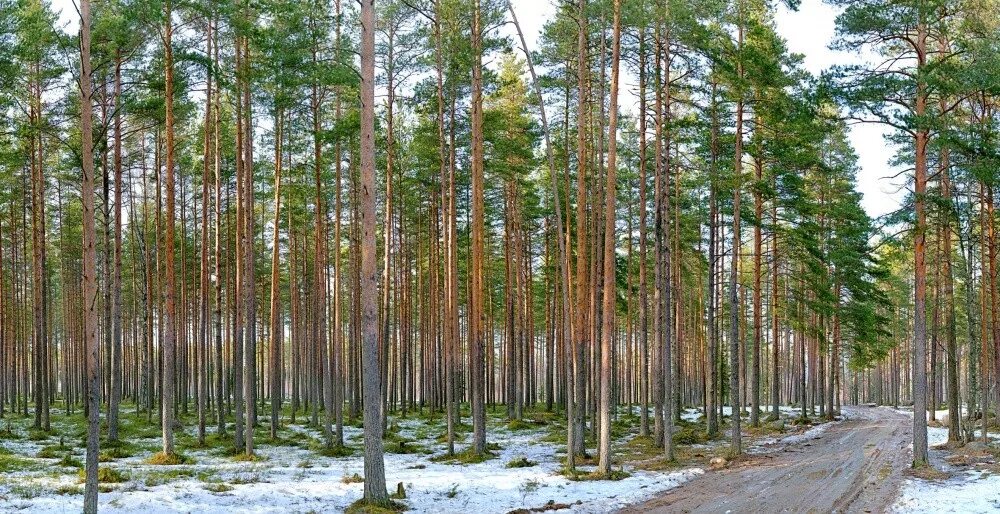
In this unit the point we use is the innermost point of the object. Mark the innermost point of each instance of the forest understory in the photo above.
(524, 471)
(294, 473)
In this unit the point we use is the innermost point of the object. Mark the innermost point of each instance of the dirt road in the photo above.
(854, 466)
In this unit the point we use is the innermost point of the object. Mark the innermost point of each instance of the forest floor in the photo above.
(964, 479)
(858, 464)
(40, 471)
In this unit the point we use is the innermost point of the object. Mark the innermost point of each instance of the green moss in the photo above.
(35, 434)
(554, 436)
(519, 425)
(689, 435)
(620, 427)
(615, 475)
(228, 450)
(363, 507)
(460, 437)
(542, 417)
(337, 450)
(465, 457)
(117, 452)
(521, 462)
(7, 432)
(106, 475)
(70, 462)
(52, 451)
(11, 463)
(159, 477)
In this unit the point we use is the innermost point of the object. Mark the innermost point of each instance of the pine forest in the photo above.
(501, 256)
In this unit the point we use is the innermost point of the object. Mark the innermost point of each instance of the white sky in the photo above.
(808, 31)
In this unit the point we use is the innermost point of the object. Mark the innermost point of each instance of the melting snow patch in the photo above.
(969, 492)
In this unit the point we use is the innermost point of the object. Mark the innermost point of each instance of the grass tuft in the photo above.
(69, 489)
(105, 475)
(10, 463)
(465, 457)
(168, 459)
(363, 507)
(614, 475)
(248, 457)
(352, 479)
(52, 451)
(37, 434)
(218, 487)
(70, 461)
(521, 462)
(519, 425)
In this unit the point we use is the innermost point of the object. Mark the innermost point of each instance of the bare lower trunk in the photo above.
(116, 338)
(920, 457)
(608, 315)
(170, 329)
(89, 264)
(276, 326)
(476, 317)
(375, 492)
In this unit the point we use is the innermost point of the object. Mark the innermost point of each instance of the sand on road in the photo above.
(854, 466)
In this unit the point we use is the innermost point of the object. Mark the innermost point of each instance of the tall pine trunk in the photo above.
(89, 264)
(609, 297)
(375, 492)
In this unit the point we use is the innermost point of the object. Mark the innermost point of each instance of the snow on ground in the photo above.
(965, 491)
(938, 434)
(969, 492)
(690, 414)
(295, 479)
